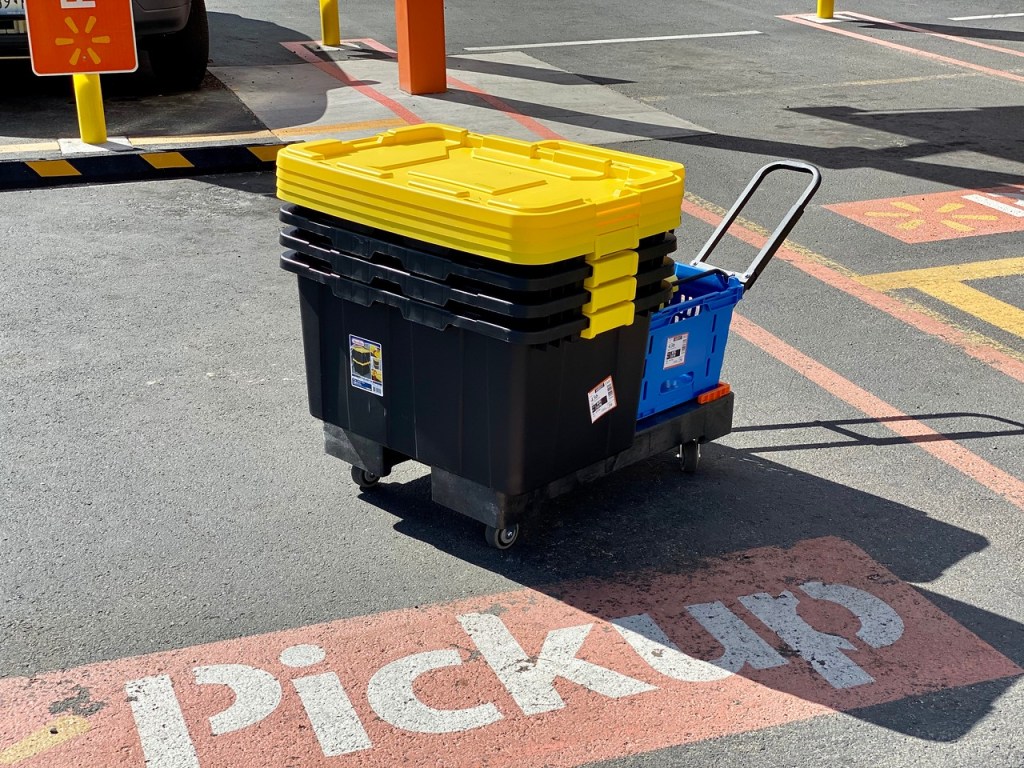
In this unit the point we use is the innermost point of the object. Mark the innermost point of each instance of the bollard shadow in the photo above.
(522, 72)
(631, 129)
(651, 517)
(996, 132)
(975, 33)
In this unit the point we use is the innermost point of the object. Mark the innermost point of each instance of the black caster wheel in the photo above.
(365, 480)
(502, 538)
(689, 457)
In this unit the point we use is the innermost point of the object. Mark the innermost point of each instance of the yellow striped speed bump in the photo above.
(138, 166)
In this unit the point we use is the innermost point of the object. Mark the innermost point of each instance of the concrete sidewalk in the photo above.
(343, 92)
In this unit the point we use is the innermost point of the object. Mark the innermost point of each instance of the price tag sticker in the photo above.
(675, 351)
(602, 399)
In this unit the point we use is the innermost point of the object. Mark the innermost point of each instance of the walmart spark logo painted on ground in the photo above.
(941, 216)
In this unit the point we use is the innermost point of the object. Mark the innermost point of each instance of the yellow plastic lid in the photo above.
(510, 200)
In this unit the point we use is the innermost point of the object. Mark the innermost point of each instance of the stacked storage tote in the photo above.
(476, 303)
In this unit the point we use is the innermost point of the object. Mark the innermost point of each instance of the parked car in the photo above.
(174, 33)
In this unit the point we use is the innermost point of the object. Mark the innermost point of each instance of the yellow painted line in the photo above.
(49, 736)
(900, 80)
(905, 206)
(972, 336)
(163, 160)
(977, 303)
(38, 146)
(268, 152)
(955, 225)
(310, 130)
(958, 273)
(53, 168)
(206, 138)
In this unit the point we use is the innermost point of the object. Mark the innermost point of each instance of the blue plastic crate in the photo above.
(686, 345)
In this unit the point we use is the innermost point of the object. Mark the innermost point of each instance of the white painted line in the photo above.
(982, 200)
(990, 16)
(161, 723)
(614, 40)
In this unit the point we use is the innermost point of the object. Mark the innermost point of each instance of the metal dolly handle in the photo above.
(748, 277)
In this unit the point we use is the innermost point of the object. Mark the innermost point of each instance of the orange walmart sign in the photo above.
(70, 37)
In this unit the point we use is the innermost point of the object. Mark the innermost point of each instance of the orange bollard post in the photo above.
(421, 55)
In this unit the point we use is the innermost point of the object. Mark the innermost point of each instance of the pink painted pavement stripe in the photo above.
(947, 451)
(922, 30)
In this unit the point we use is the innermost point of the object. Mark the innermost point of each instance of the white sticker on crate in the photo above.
(602, 399)
(366, 360)
(675, 350)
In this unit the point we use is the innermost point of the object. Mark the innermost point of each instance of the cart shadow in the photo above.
(651, 518)
(845, 428)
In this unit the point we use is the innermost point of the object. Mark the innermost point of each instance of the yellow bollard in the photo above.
(826, 8)
(330, 28)
(89, 98)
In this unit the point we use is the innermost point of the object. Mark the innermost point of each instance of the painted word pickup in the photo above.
(562, 676)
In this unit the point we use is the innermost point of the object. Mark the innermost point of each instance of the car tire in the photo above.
(179, 60)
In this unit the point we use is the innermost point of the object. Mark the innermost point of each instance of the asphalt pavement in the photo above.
(190, 581)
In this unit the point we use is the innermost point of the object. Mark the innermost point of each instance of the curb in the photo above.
(138, 166)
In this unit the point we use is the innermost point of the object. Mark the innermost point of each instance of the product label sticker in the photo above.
(602, 399)
(366, 361)
(675, 350)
